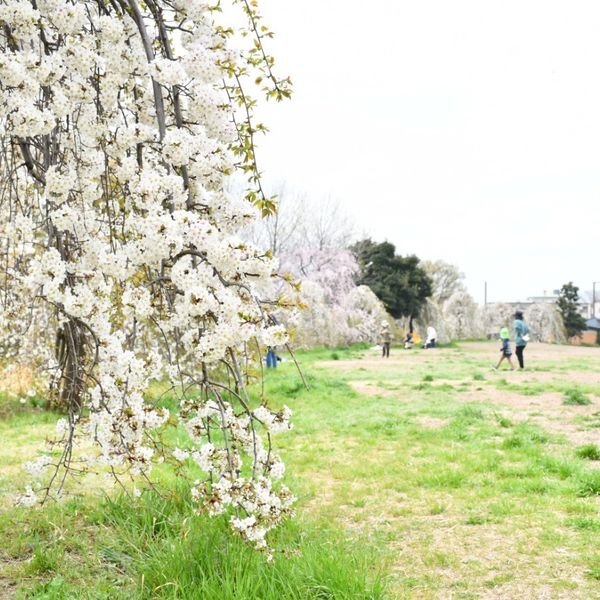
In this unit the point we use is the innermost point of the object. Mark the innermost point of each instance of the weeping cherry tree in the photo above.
(122, 121)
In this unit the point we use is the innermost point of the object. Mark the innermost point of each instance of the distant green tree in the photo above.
(568, 299)
(398, 281)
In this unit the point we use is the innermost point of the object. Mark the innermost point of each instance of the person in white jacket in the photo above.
(431, 337)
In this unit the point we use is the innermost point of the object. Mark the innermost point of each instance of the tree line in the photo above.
(315, 242)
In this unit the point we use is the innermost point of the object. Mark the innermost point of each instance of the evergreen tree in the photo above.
(568, 299)
(398, 281)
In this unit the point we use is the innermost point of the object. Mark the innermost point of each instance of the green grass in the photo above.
(589, 452)
(590, 484)
(575, 397)
(175, 554)
(424, 488)
(155, 547)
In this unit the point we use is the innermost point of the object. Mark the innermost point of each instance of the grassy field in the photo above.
(450, 479)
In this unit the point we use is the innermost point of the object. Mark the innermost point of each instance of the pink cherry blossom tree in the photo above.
(311, 236)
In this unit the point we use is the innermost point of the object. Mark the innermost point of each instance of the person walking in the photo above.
(521, 337)
(505, 349)
(386, 339)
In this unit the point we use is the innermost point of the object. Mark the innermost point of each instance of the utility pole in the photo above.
(485, 294)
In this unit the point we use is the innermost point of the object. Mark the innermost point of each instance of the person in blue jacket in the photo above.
(521, 337)
(271, 358)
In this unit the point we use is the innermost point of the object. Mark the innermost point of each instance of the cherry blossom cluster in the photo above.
(119, 135)
(459, 317)
(336, 311)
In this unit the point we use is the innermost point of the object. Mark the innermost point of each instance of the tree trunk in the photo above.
(70, 355)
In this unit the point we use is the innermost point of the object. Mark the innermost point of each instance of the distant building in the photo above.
(590, 335)
(593, 324)
(543, 299)
(592, 310)
(586, 310)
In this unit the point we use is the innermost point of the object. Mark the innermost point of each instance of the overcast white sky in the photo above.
(466, 130)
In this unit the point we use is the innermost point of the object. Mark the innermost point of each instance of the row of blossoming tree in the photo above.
(311, 237)
(122, 122)
(456, 315)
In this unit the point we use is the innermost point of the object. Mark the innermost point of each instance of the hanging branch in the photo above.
(121, 243)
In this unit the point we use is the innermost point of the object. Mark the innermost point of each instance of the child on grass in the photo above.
(505, 349)
(386, 338)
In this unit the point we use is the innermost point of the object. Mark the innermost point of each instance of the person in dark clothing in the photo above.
(521, 337)
(386, 339)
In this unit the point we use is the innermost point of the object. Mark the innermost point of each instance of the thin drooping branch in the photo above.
(158, 97)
